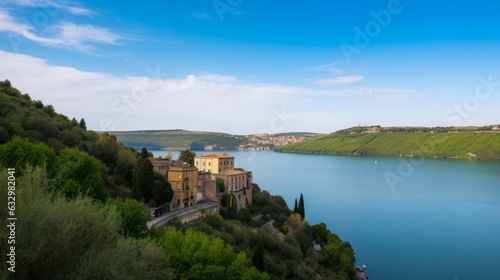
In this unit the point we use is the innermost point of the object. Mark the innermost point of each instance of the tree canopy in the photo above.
(187, 156)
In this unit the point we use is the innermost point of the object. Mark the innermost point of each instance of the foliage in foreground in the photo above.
(290, 258)
(57, 238)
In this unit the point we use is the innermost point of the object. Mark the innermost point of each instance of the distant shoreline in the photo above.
(473, 145)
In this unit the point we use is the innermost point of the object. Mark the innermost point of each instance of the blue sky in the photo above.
(243, 67)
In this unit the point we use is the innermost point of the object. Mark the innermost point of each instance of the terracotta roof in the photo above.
(215, 156)
(233, 172)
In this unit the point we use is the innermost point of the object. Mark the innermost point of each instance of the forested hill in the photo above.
(80, 212)
(179, 139)
(441, 142)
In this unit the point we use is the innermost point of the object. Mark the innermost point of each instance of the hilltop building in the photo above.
(237, 182)
(184, 181)
(206, 187)
(196, 184)
(238, 185)
(214, 163)
(161, 165)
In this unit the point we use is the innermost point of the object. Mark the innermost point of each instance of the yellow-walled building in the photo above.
(214, 163)
(184, 182)
(238, 184)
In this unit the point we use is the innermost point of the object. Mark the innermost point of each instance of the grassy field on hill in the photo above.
(478, 143)
(178, 139)
(195, 140)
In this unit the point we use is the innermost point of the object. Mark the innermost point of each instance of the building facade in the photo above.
(206, 187)
(214, 163)
(184, 181)
(238, 186)
(161, 165)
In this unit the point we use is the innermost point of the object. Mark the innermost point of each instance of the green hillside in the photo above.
(178, 139)
(462, 142)
(78, 201)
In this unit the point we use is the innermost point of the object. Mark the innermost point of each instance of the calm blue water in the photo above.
(432, 219)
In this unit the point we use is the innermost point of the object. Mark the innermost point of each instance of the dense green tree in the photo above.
(187, 156)
(19, 153)
(105, 148)
(219, 183)
(83, 124)
(295, 207)
(144, 153)
(5, 83)
(55, 234)
(144, 178)
(133, 217)
(74, 239)
(38, 104)
(129, 259)
(74, 122)
(258, 256)
(79, 174)
(304, 239)
(301, 209)
(320, 233)
(49, 109)
(195, 255)
(136, 192)
(4, 136)
(162, 190)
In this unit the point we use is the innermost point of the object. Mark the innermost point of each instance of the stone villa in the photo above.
(195, 184)
(237, 182)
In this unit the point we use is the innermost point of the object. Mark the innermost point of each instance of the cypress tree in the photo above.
(144, 153)
(295, 208)
(144, 178)
(83, 124)
(301, 209)
(258, 256)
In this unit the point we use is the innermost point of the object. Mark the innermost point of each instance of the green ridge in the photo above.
(454, 142)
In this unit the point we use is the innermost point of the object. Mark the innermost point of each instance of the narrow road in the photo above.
(165, 218)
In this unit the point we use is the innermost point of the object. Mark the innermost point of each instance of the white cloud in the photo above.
(209, 101)
(205, 102)
(338, 80)
(67, 6)
(75, 34)
(64, 34)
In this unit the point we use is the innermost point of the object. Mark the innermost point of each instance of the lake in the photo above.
(405, 218)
